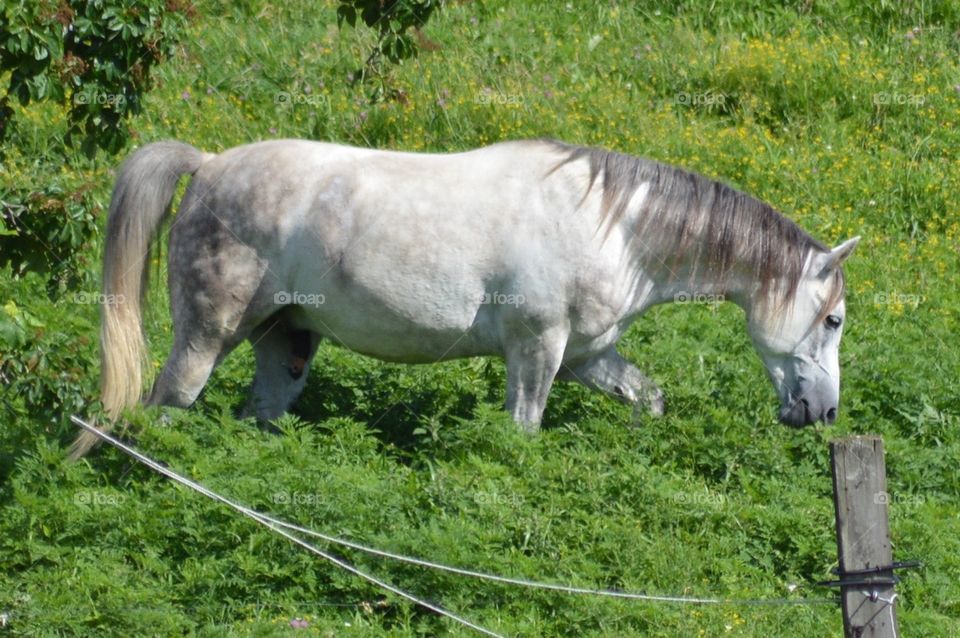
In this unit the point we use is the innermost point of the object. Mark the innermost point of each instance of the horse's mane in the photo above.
(707, 224)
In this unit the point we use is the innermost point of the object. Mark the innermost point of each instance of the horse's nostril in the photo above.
(831, 415)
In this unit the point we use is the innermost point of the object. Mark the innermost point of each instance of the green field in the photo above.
(844, 115)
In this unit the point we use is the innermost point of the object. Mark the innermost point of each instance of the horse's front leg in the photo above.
(533, 359)
(611, 373)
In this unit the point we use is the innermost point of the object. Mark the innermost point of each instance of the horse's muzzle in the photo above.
(800, 413)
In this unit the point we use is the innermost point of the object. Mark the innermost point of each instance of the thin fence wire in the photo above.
(285, 529)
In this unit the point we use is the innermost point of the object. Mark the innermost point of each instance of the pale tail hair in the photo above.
(144, 190)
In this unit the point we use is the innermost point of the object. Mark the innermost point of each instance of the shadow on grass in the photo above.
(405, 403)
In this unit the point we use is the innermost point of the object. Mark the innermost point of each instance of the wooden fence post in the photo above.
(863, 538)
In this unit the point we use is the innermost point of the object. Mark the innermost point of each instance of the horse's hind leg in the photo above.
(283, 356)
(186, 371)
(204, 334)
(611, 373)
(218, 294)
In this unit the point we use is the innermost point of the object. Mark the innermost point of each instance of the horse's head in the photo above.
(800, 345)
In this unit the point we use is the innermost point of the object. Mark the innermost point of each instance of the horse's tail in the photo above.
(141, 200)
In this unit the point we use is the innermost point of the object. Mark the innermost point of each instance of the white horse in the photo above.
(535, 251)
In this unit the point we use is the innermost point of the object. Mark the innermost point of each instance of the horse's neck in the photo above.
(680, 282)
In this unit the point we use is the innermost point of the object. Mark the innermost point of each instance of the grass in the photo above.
(843, 116)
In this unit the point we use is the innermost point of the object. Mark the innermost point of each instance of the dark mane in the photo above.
(705, 223)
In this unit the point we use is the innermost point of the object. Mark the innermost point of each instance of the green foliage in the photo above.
(93, 61)
(50, 231)
(97, 56)
(46, 351)
(392, 21)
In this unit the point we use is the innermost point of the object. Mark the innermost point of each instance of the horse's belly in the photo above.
(403, 333)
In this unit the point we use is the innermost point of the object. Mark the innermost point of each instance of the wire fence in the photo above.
(290, 531)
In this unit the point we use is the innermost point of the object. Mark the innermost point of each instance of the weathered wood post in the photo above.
(863, 538)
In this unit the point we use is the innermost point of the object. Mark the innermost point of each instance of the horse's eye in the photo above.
(833, 322)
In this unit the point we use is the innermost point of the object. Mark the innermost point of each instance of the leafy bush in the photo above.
(49, 231)
(95, 59)
(98, 55)
(47, 352)
(392, 21)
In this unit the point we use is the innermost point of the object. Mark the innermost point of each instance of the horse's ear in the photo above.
(825, 263)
